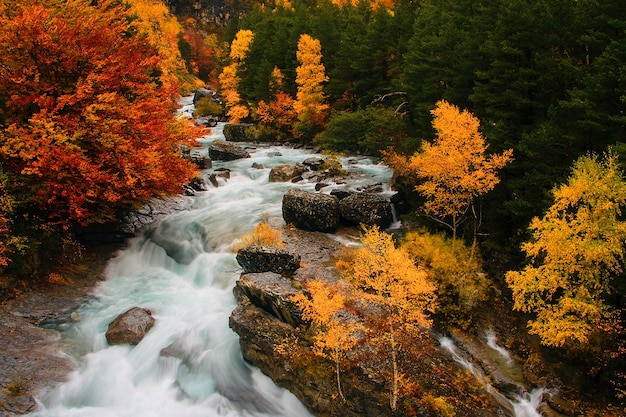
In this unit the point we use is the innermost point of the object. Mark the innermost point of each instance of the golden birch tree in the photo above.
(310, 105)
(576, 253)
(229, 80)
(454, 169)
(397, 296)
(335, 333)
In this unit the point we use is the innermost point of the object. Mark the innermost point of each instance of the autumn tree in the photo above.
(335, 331)
(279, 113)
(396, 296)
(453, 170)
(153, 20)
(310, 105)
(576, 254)
(229, 79)
(89, 127)
(462, 287)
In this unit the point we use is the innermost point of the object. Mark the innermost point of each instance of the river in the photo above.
(191, 299)
(183, 270)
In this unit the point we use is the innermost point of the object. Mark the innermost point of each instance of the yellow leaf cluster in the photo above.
(310, 77)
(577, 250)
(162, 31)
(456, 270)
(263, 235)
(386, 277)
(229, 80)
(454, 169)
(241, 45)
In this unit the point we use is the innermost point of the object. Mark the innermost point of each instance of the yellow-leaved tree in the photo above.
(576, 254)
(335, 331)
(453, 170)
(396, 296)
(229, 80)
(162, 30)
(462, 287)
(310, 104)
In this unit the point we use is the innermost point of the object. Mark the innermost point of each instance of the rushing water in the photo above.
(183, 271)
(520, 405)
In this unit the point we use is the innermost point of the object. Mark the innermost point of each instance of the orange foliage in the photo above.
(397, 296)
(162, 30)
(89, 126)
(453, 170)
(229, 80)
(279, 114)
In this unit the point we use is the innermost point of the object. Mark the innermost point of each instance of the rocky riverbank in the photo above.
(31, 357)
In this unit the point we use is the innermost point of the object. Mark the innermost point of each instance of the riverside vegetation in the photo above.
(502, 120)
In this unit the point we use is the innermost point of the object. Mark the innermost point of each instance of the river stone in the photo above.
(238, 132)
(285, 172)
(202, 93)
(273, 294)
(257, 258)
(367, 208)
(311, 211)
(314, 163)
(220, 150)
(130, 327)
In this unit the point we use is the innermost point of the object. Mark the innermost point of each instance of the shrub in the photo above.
(263, 235)
(367, 131)
(461, 285)
(438, 406)
(207, 107)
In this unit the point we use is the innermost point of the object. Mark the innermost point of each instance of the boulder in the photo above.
(272, 293)
(219, 175)
(320, 185)
(202, 93)
(238, 132)
(341, 194)
(262, 337)
(310, 211)
(257, 258)
(285, 172)
(314, 163)
(366, 208)
(376, 187)
(201, 160)
(220, 150)
(130, 327)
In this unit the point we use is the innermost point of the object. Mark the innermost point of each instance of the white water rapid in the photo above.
(520, 405)
(203, 375)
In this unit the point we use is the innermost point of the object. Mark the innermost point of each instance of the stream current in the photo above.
(190, 296)
(183, 270)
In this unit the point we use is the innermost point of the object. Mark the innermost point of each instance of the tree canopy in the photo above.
(576, 254)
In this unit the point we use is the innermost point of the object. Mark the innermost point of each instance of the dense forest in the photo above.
(503, 121)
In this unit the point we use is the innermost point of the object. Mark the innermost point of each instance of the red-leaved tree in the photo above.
(87, 126)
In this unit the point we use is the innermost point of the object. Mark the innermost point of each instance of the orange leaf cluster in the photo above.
(454, 169)
(89, 125)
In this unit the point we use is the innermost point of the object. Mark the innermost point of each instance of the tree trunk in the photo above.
(396, 377)
(338, 375)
